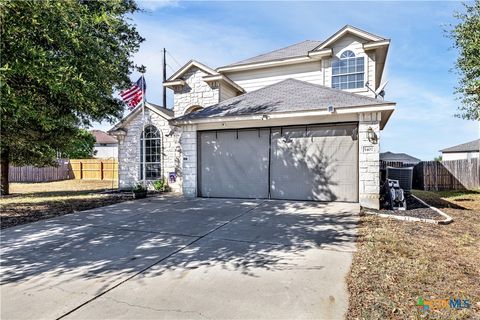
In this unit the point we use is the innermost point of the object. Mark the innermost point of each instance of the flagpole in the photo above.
(144, 173)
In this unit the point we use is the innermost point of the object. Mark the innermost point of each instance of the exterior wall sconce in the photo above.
(372, 136)
(265, 117)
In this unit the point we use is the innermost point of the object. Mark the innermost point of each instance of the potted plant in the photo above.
(161, 185)
(139, 191)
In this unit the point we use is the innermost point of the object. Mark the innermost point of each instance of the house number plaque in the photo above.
(368, 149)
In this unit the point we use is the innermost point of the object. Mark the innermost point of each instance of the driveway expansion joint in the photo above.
(159, 261)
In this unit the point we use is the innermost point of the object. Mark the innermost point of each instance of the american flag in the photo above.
(133, 96)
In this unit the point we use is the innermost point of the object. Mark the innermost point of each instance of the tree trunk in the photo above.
(4, 164)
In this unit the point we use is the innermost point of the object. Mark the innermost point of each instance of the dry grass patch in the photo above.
(397, 262)
(37, 201)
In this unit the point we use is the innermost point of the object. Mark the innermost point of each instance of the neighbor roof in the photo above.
(295, 50)
(103, 137)
(400, 157)
(464, 147)
(286, 96)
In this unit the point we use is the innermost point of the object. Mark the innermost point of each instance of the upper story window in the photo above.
(348, 71)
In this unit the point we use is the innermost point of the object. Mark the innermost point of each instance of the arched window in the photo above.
(348, 71)
(153, 154)
(193, 109)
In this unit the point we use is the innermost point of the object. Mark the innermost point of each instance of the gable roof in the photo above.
(352, 30)
(464, 147)
(304, 48)
(187, 66)
(289, 95)
(103, 137)
(161, 111)
(400, 157)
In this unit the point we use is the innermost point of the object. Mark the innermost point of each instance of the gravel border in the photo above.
(446, 218)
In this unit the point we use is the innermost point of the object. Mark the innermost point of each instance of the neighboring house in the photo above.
(398, 157)
(296, 123)
(106, 146)
(467, 150)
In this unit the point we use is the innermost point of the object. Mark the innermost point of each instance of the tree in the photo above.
(61, 62)
(466, 37)
(81, 147)
(438, 158)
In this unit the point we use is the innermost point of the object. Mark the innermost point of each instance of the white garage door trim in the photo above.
(275, 168)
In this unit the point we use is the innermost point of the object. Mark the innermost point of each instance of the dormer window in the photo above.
(348, 71)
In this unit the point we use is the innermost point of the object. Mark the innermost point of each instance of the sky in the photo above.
(420, 61)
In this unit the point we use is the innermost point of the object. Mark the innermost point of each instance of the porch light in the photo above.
(372, 136)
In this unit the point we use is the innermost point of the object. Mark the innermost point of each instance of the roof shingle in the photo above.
(464, 147)
(295, 50)
(103, 137)
(289, 95)
(400, 157)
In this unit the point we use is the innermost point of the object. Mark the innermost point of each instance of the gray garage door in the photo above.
(234, 164)
(315, 163)
(295, 163)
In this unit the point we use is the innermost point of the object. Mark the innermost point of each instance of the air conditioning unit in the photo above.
(403, 175)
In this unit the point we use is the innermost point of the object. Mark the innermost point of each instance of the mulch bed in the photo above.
(415, 209)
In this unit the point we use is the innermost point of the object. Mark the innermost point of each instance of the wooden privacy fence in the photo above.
(449, 175)
(444, 175)
(40, 174)
(87, 169)
(94, 169)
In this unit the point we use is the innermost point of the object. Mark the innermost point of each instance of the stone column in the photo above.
(369, 160)
(189, 160)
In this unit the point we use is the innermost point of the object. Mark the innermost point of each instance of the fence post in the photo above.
(81, 169)
(101, 170)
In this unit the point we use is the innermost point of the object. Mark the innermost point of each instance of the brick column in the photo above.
(189, 160)
(369, 161)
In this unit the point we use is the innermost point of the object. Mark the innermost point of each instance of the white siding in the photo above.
(318, 72)
(460, 155)
(355, 44)
(110, 150)
(252, 80)
(226, 92)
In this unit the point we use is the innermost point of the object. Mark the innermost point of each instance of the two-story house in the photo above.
(299, 123)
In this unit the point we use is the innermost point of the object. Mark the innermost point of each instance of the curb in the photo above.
(447, 219)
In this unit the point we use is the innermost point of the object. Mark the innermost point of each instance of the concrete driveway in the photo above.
(173, 258)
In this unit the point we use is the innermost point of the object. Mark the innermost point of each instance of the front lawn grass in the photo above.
(30, 202)
(397, 262)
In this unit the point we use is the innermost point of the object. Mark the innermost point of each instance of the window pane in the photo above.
(348, 72)
(152, 153)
